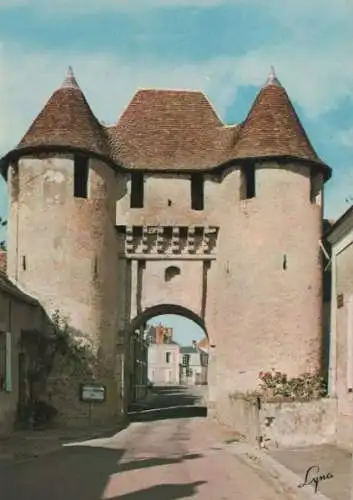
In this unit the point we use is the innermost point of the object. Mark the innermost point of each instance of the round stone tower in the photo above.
(62, 243)
(269, 260)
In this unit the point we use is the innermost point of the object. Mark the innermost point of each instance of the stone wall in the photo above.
(342, 335)
(239, 414)
(279, 424)
(260, 296)
(306, 423)
(262, 293)
(268, 286)
(64, 250)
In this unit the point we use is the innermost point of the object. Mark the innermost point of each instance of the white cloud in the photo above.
(110, 81)
(314, 66)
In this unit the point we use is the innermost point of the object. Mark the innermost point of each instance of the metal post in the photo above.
(90, 413)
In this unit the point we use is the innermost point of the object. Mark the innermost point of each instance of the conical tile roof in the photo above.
(171, 130)
(272, 128)
(66, 121)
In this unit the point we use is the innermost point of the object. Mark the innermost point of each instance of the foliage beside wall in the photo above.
(77, 356)
(75, 347)
(277, 384)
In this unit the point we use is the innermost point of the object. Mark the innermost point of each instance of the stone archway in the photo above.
(162, 309)
(170, 270)
(194, 372)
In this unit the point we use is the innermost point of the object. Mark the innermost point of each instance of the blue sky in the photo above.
(185, 330)
(223, 47)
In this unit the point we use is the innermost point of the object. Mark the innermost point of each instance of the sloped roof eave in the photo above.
(20, 151)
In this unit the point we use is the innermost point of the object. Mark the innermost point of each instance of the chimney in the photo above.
(194, 344)
(3, 261)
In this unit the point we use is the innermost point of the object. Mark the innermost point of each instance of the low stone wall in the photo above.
(344, 427)
(278, 423)
(238, 413)
(298, 423)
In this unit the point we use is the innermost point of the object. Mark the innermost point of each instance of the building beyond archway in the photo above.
(170, 335)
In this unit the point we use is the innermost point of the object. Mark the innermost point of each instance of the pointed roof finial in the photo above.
(70, 80)
(272, 78)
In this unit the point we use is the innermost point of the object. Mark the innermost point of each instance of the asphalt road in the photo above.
(169, 451)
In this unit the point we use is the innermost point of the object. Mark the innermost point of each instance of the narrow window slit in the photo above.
(249, 177)
(80, 176)
(197, 192)
(137, 191)
(284, 264)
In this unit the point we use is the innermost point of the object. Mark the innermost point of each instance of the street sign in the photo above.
(93, 393)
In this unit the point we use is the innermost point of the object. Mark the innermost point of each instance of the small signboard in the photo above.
(93, 393)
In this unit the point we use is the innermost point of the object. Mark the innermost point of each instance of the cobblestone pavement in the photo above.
(169, 453)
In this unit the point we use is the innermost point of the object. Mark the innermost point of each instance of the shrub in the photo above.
(306, 386)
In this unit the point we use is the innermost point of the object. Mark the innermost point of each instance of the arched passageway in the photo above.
(168, 347)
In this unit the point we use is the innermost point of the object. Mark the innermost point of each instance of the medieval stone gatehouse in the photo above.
(171, 211)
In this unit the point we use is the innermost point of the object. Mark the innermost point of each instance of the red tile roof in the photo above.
(67, 120)
(173, 130)
(272, 128)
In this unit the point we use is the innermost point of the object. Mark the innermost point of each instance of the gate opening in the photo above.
(169, 355)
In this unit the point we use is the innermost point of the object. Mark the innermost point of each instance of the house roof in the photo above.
(168, 342)
(204, 344)
(9, 287)
(67, 121)
(188, 350)
(152, 335)
(165, 130)
(340, 227)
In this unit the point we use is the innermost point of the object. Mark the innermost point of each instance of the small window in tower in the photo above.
(80, 176)
(167, 357)
(197, 192)
(171, 272)
(136, 200)
(315, 187)
(249, 180)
